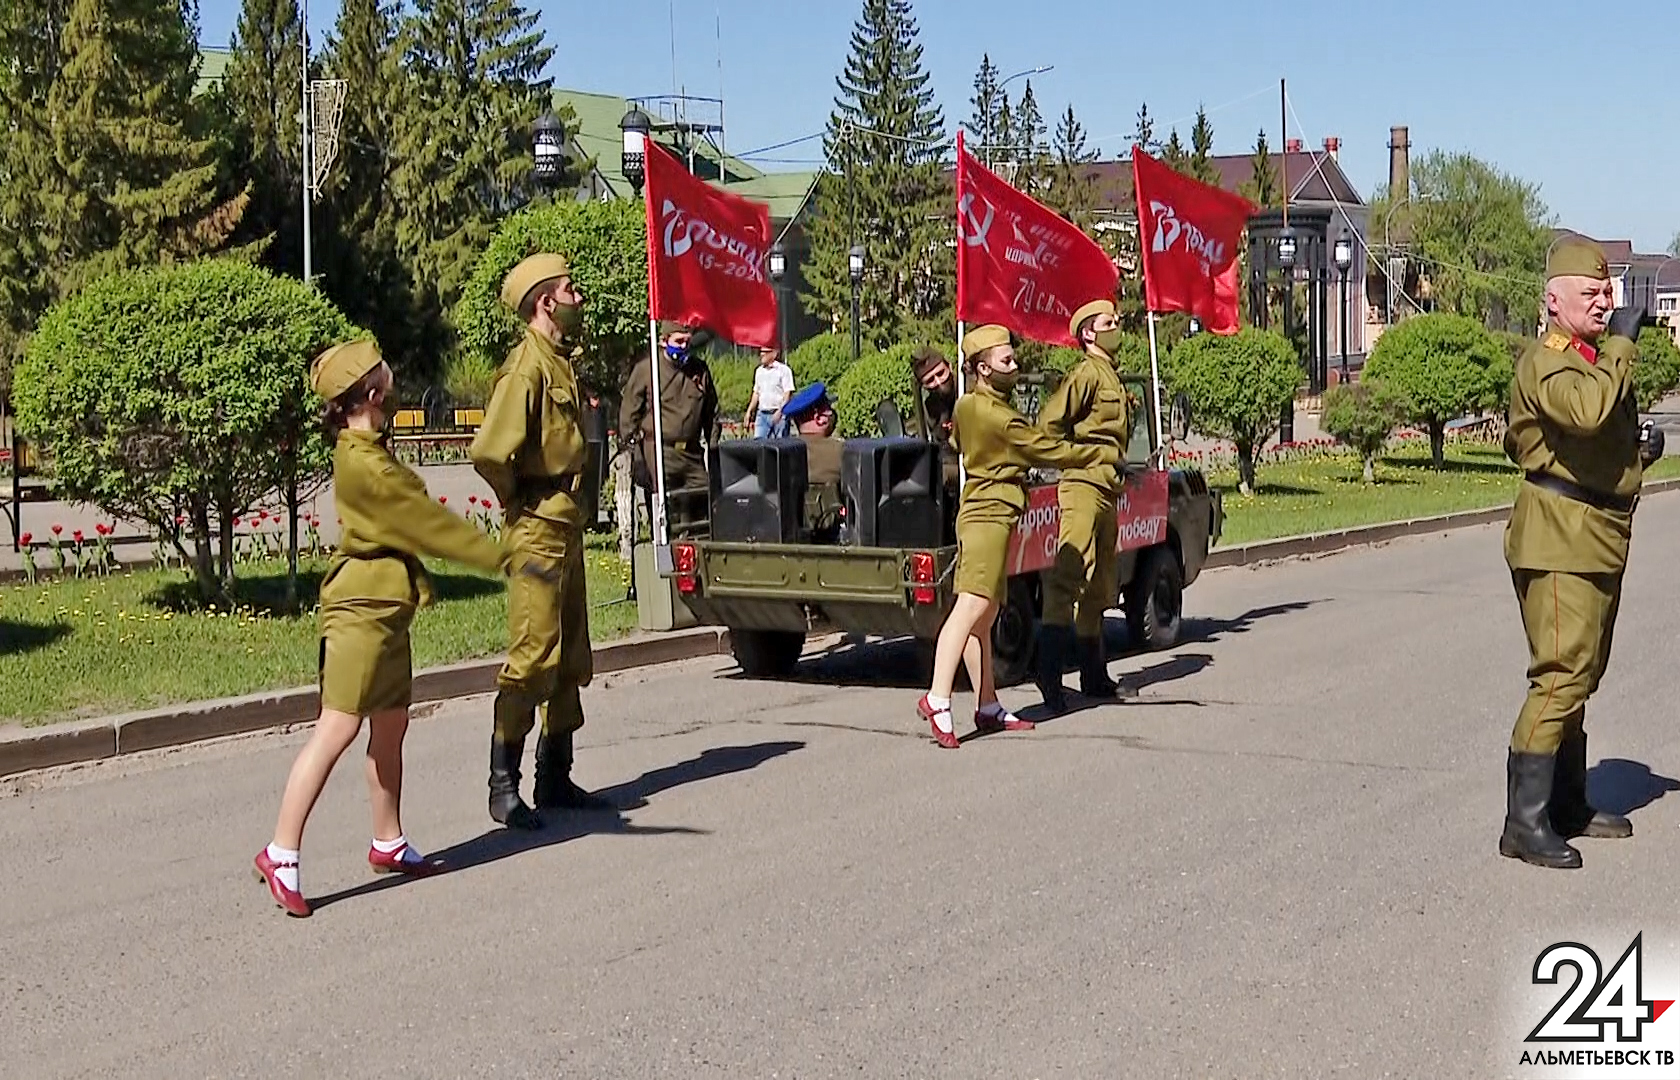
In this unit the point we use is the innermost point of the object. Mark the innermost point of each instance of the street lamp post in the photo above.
(548, 149)
(1286, 259)
(1344, 260)
(636, 127)
(987, 135)
(778, 269)
(1388, 249)
(854, 263)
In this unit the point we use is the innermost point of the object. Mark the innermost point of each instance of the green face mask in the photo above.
(569, 318)
(1109, 341)
(1003, 380)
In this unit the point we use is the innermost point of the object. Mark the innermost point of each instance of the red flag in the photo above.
(1019, 263)
(1188, 234)
(706, 255)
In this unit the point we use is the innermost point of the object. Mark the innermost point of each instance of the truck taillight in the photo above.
(922, 575)
(683, 555)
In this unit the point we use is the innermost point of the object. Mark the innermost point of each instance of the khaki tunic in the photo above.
(689, 414)
(531, 451)
(375, 580)
(998, 446)
(1576, 420)
(1089, 406)
(823, 456)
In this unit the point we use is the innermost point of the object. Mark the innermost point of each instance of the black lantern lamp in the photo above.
(636, 126)
(1343, 255)
(548, 147)
(854, 263)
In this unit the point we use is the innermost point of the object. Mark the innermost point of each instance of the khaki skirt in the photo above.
(983, 529)
(365, 664)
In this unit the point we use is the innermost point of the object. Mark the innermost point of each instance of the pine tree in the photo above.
(889, 190)
(983, 123)
(1261, 189)
(1031, 149)
(263, 94)
(1071, 189)
(462, 148)
(1143, 134)
(1174, 154)
(1201, 164)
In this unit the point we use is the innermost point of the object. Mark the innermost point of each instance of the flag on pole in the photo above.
(1188, 236)
(1019, 263)
(706, 255)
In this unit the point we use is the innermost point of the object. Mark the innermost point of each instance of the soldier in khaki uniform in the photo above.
(1574, 430)
(1090, 405)
(936, 404)
(531, 451)
(373, 587)
(688, 415)
(998, 445)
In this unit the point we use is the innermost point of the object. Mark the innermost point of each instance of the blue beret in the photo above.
(804, 400)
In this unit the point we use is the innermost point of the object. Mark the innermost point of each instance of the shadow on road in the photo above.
(1203, 631)
(559, 827)
(21, 637)
(1181, 666)
(1620, 786)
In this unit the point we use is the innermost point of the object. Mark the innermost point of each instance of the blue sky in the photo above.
(1581, 103)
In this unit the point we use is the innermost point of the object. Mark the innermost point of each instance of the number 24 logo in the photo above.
(1592, 1004)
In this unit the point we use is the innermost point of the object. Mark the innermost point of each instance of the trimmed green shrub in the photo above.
(1444, 366)
(823, 359)
(1658, 369)
(1237, 386)
(1363, 415)
(866, 384)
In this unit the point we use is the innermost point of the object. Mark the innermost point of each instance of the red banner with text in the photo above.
(1142, 515)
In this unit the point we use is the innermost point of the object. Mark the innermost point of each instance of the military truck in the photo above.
(772, 593)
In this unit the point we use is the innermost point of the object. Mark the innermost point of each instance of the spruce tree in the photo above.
(888, 188)
(987, 102)
(1143, 132)
(463, 137)
(1071, 189)
(1030, 146)
(263, 96)
(1174, 154)
(1201, 164)
(1262, 186)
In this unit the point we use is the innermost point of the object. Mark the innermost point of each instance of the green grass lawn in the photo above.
(1327, 491)
(136, 640)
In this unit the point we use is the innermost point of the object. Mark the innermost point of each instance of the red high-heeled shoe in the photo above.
(394, 863)
(290, 900)
(947, 739)
(991, 724)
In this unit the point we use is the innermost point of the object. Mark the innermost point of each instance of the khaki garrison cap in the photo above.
(1576, 256)
(1095, 307)
(337, 369)
(529, 274)
(981, 338)
(925, 359)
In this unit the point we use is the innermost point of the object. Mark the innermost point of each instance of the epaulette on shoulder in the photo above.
(1556, 342)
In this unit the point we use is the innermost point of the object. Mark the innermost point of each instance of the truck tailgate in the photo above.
(811, 573)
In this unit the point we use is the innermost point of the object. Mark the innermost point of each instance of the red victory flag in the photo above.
(1019, 263)
(706, 255)
(1188, 234)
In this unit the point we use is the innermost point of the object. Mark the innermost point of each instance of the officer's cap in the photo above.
(805, 400)
(925, 359)
(1576, 256)
(337, 369)
(1095, 307)
(668, 327)
(981, 338)
(530, 273)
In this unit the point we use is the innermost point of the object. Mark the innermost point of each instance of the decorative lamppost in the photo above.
(1344, 260)
(778, 270)
(636, 127)
(854, 263)
(1286, 259)
(548, 147)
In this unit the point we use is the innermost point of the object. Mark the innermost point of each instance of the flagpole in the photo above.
(1155, 380)
(662, 560)
(962, 381)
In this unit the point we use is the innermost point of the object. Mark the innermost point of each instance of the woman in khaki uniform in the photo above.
(373, 586)
(998, 445)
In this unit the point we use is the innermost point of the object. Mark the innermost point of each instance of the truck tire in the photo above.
(766, 653)
(1155, 601)
(1015, 634)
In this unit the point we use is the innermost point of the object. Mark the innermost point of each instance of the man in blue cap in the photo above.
(813, 417)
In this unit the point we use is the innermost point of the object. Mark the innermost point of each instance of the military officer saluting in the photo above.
(998, 445)
(531, 451)
(689, 414)
(1574, 430)
(1089, 406)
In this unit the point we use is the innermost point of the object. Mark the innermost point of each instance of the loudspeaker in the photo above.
(894, 492)
(758, 490)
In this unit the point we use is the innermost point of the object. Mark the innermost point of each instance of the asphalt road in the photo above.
(1280, 862)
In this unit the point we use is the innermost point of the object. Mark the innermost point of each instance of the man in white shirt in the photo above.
(772, 386)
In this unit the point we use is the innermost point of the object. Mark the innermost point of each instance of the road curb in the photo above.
(1324, 543)
(25, 749)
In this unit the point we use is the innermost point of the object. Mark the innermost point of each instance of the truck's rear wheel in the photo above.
(766, 653)
(1015, 634)
(1155, 601)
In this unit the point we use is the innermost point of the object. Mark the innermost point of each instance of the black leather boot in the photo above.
(1053, 642)
(1094, 681)
(1571, 814)
(506, 807)
(1528, 831)
(555, 790)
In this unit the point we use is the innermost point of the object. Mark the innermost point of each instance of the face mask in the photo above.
(1003, 380)
(569, 318)
(675, 352)
(1109, 341)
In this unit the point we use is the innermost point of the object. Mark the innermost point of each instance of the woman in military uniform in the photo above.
(998, 445)
(373, 586)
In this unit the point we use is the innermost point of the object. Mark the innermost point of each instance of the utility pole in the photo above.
(308, 268)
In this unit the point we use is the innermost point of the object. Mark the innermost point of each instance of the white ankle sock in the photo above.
(287, 875)
(389, 847)
(941, 708)
(994, 708)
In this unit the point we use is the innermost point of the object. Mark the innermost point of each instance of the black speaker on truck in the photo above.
(894, 492)
(758, 490)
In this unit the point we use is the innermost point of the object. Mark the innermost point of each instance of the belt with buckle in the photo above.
(1569, 490)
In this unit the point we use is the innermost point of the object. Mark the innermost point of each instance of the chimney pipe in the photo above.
(1292, 146)
(1399, 162)
(1333, 148)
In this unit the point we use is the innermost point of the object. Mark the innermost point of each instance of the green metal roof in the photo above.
(212, 65)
